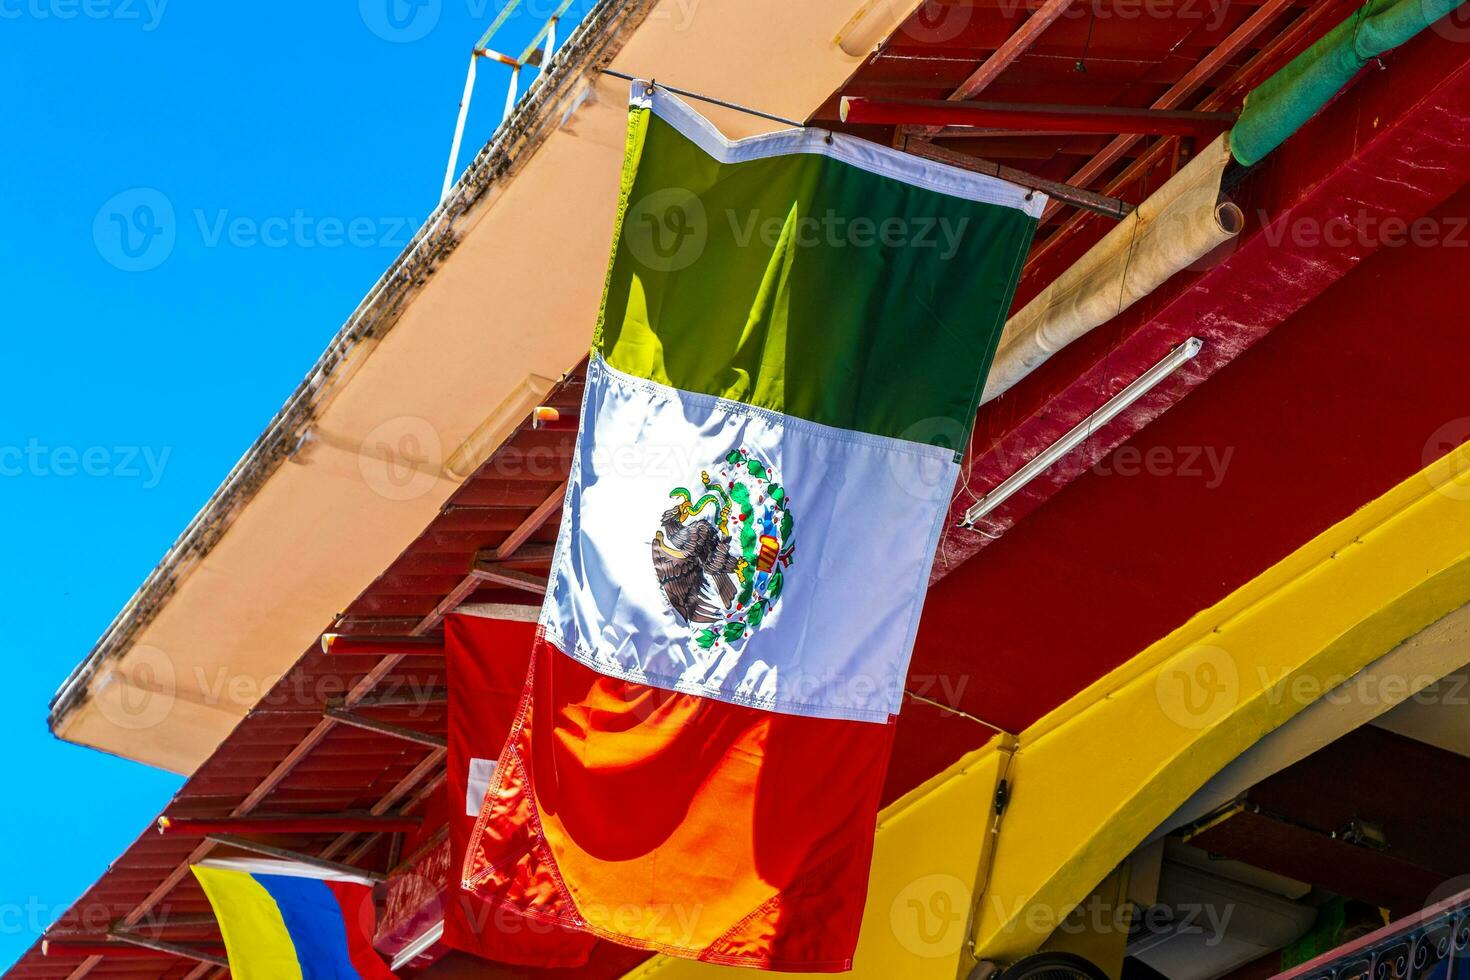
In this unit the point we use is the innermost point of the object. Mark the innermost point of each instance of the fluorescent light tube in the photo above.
(1108, 411)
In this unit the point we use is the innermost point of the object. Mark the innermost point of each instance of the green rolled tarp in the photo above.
(1280, 105)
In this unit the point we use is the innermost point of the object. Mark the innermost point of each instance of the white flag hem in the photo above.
(881, 160)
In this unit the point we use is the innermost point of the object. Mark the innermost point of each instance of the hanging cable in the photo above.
(954, 711)
(705, 98)
(1081, 65)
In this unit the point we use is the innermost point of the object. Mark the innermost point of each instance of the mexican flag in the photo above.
(794, 335)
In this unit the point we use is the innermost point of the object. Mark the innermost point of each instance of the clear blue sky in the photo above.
(277, 156)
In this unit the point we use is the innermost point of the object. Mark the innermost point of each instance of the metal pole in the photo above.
(1110, 207)
(346, 717)
(706, 98)
(125, 946)
(464, 111)
(1004, 116)
(512, 92)
(382, 646)
(331, 823)
(202, 955)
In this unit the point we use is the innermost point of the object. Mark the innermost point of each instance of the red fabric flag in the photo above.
(486, 662)
(675, 823)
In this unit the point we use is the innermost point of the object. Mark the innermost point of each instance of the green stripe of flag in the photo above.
(807, 286)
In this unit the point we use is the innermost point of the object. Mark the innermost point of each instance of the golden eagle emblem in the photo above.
(721, 559)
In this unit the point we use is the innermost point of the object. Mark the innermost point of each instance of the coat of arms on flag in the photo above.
(717, 557)
(793, 338)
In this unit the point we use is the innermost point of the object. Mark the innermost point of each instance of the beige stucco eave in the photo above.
(465, 336)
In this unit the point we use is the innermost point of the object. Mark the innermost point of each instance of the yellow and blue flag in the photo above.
(286, 921)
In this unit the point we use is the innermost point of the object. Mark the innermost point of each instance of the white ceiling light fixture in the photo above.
(1108, 411)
